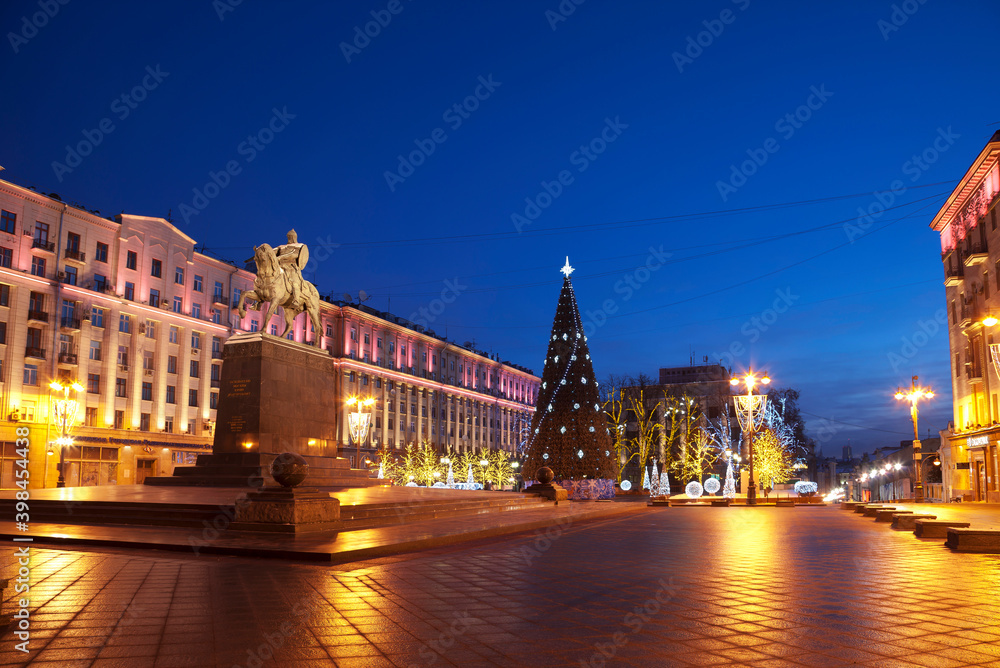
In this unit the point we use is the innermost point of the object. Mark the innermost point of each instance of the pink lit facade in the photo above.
(970, 244)
(128, 309)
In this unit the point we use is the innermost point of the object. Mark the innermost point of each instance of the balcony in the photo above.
(147, 372)
(67, 358)
(69, 322)
(31, 351)
(42, 244)
(215, 382)
(953, 276)
(75, 254)
(220, 299)
(123, 367)
(39, 316)
(217, 354)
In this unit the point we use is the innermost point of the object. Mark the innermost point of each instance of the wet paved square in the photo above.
(668, 587)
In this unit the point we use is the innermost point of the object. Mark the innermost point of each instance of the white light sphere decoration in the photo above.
(712, 485)
(626, 485)
(694, 489)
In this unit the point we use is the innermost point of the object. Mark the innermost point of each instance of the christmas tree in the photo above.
(654, 481)
(664, 483)
(569, 432)
(645, 478)
(729, 489)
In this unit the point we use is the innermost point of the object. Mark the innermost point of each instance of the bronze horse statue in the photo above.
(272, 286)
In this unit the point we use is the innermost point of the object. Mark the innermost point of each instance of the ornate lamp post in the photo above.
(64, 412)
(750, 411)
(359, 422)
(915, 394)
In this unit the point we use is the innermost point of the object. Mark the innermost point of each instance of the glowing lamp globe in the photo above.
(694, 489)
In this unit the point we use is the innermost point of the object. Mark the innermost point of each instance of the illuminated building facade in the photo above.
(129, 310)
(970, 253)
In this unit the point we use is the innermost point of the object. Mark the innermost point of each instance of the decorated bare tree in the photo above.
(617, 413)
(699, 456)
(772, 461)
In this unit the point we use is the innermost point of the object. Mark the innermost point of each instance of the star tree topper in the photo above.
(567, 270)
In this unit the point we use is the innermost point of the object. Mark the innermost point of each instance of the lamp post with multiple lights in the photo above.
(64, 412)
(750, 411)
(359, 422)
(914, 395)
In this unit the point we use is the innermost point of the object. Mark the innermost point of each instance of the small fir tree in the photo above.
(569, 432)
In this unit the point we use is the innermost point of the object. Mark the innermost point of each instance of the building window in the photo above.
(329, 329)
(6, 257)
(147, 392)
(350, 377)
(254, 325)
(213, 400)
(100, 283)
(3, 334)
(216, 347)
(168, 424)
(131, 260)
(125, 323)
(150, 329)
(30, 374)
(172, 364)
(196, 311)
(147, 360)
(194, 369)
(91, 416)
(123, 356)
(144, 422)
(178, 304)
(101, 254)
(97, 317)
(198, 280)
(120, 387)
(173, 334)
(196, 340)
(179, 276)
(274, 329)
(70, 275)
(119, 419)
(354, 334)
(95, 351)
(154, 298)
(171, 394)
(368, 338)
(218, 291)
(217, 316)
(38, 266)
(156, 268)
(193, 398)
(237, 293)
(8, 221)
(130, 291)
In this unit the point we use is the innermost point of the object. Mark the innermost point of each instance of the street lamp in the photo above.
(64, 412)
(915, 394)
(750, 411)
(359, 422)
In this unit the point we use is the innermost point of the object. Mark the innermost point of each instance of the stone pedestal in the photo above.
(550, 491)
(286, 510)
(275, 396)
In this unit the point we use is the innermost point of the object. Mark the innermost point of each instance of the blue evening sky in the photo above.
(607, 128)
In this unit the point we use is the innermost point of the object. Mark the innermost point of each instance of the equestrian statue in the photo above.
(279, 282)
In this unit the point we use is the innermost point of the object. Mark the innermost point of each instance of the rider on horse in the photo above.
(292, 258)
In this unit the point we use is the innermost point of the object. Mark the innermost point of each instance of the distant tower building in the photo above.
(848, 455)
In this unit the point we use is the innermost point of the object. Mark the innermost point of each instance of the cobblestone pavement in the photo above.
(671, 587)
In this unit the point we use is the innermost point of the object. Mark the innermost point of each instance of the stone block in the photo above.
(849, 505)
(984, 541)
(860, 508)
(886, 514)
(907, 521)
(870, 511)
(935, 528)
(550, 491)
(286, 510)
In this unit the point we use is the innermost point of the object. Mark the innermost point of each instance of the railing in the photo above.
(216, 382)
(43, 245)
(70, 322)
(75, 254)
(217, 354)
(31, 351)
(220, 299)
(40, 316)
(67, 358)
